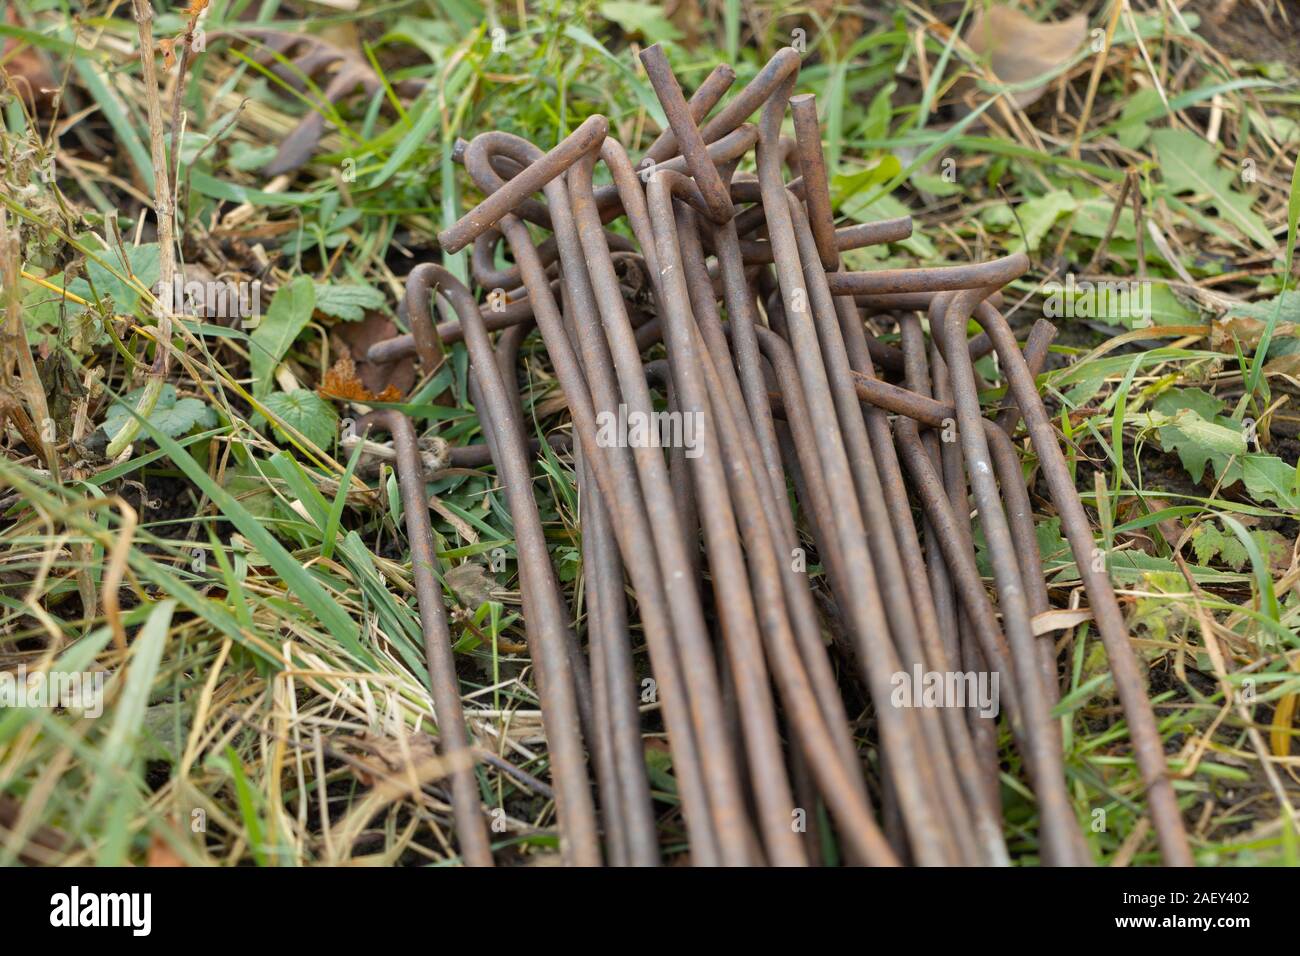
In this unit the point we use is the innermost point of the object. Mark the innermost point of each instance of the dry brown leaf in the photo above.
(168, 47)
(341, 382)
(1284, 365)
(471, 584)
(356, 338)
(1227, 333)
(384, 758)
(1021, 49)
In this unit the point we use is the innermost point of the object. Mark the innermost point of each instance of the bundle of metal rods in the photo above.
(775, 689)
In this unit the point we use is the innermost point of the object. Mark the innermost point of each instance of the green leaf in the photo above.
(306, 411)
(171, 416)
(1198, 400)
(1134, 126)
(1190, 165)
(427, 116)
(143, 260)
(848, 189)
(643, 18)
(247, 158)
(1198, 442)
(1092, 219)
(935, 184)
(1269, 478)
(208, 185)
(1208, 541)
(1037, 216)
(290, 311)
(1263, 579)
(346, 301)
(1292, 220)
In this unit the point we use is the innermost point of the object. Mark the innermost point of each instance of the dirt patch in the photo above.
(1238, 29)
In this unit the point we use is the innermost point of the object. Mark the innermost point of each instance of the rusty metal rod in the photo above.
(471, 829)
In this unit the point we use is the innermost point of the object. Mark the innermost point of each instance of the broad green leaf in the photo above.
(171, 416)
(1198, 400)
(1092, 219)
(848, 190)
(1135, 121)
(143, 260)
(290, 311)
(347, 301)
(1269, 478)
(1199, 442)
(1189, 164)
(306, 411)
(643, 18)
(1037, 216)
(247, 158)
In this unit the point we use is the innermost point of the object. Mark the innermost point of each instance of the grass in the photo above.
(265, 699)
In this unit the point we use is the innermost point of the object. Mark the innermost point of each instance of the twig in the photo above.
(1115, 213)
(15, 344)
(166, 245)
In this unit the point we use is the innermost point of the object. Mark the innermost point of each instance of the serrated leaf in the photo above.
(1199, 442)
(1189, 164)
(346, 301)
(1208, 541)
(144, 265)
(290, 311)
(306, 411)
(171, 416)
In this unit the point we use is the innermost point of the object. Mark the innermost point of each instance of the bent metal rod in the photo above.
(812, 547)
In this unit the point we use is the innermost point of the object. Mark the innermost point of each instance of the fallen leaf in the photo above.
(471, 584)
(1225, 334)
(1020, 49)
(1058, 619)
(341, 382)
(355, 338)
(384, 758)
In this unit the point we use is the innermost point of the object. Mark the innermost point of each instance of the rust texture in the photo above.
(804, 545)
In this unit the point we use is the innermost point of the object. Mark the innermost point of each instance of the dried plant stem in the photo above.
(37, 429)
(163, 211)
